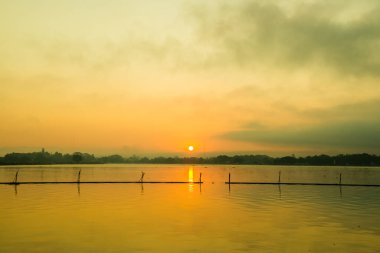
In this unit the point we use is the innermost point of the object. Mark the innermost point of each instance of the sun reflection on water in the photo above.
(191, 178)
(191, 174)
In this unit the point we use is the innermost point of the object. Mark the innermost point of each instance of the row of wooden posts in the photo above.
(297, 183)
(278, 182)
(78, 181)
(141, 180)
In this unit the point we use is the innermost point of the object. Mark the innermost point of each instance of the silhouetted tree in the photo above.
(84, 158)
(77, 157)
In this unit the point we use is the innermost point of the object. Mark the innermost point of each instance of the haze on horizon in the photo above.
(153, 77)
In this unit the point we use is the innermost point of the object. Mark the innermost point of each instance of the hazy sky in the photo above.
(152, 77)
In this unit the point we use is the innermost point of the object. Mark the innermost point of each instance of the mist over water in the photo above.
(211, 217)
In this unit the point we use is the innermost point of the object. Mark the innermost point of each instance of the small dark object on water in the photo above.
(142, 176)
(16, 176)
(78, 180)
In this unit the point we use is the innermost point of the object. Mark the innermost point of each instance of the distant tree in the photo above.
(144, 160)
(77, 157)
(286, 160)
(112, 159)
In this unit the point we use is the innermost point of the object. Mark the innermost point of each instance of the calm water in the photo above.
(189, 217)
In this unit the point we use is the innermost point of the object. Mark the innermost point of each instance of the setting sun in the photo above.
(190, 148)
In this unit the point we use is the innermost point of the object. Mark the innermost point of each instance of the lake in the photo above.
(208, 217)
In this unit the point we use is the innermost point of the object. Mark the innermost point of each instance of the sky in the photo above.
(152, 77)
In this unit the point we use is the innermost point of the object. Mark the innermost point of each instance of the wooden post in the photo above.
(200, 177)
(142, 176)
(78, 181)
(340, 178)
(229, 181)
(279, 177)
(16, 176)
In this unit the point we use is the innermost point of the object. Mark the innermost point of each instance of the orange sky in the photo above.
(152, 77)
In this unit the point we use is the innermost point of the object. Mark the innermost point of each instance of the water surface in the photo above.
(189, 217)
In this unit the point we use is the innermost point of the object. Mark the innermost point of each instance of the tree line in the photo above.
(37, 158)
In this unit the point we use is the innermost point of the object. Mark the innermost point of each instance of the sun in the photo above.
(190, 148)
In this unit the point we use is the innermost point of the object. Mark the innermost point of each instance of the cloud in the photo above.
(365, 110)
(240, 34)
(355, 127)
(253, 33)
(350, 134)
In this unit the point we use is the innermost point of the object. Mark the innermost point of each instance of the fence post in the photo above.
(16, 176)
(78, 181)
(142, 177)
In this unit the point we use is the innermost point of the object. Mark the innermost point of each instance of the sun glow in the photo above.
(190, 148)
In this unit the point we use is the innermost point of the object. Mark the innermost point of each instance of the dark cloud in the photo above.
(356, 127)
(350, 134)
(255, 32)
(366, 110)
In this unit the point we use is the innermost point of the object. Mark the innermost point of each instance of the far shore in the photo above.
(78, 158)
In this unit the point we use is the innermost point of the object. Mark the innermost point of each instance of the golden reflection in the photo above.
(191, 178)
(191, 174)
